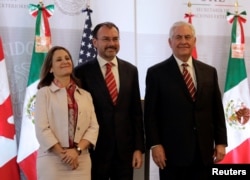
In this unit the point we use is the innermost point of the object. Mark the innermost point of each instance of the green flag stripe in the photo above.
(38, 22)
(234, 30)
(35, 67)
(236, 72)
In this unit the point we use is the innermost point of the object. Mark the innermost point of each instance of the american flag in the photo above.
(87, 50)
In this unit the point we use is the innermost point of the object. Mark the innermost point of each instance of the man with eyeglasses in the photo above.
(184, 116)
(114, 86)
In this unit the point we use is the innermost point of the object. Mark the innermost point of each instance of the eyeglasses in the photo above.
(108, 40)
(180, 37)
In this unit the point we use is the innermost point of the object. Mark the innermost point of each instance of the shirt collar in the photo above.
(55, 88)
(103, 62)
(180, 62)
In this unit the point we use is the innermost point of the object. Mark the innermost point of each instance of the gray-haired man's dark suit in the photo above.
(184, 128)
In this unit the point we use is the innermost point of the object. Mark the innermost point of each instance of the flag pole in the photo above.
(88, 4)
(189, 15)
(189, 4)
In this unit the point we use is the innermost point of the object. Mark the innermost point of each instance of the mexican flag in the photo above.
(236, 99)
(28, 144)
(9, 169)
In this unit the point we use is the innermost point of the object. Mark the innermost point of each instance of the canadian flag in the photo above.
(8, 146)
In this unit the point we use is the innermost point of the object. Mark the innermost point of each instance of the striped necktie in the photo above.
(189, 81)
(111, 84)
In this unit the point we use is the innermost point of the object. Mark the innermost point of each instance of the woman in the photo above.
(65, 121)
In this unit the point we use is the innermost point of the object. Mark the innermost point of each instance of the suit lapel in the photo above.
(96, 73)
(178, 77)
(99, 81)
(200, 74)
(122, 78)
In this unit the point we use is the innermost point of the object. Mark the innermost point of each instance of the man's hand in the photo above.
(219, 153)
(137, 159)
(159, 157)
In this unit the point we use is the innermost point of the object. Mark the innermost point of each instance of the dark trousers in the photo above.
(183, 173)
(114, 169)
(196, 170)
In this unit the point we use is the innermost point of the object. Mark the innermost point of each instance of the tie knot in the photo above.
(109, 65)
(184, 65)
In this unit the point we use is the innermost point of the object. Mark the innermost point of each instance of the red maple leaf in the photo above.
(6, 129)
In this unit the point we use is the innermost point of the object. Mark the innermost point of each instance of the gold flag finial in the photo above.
(236, 5)
(41, 2)
(88, 4)
(189, 4)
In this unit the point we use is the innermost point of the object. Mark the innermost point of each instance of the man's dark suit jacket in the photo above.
(119, 125)
(173, 119)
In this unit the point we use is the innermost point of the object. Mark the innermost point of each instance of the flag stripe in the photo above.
(28, 165)
(236, 72)
(35, 66)
(235, 156)
(10, 172)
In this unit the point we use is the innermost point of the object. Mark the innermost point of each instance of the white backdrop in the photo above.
(144, 26)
